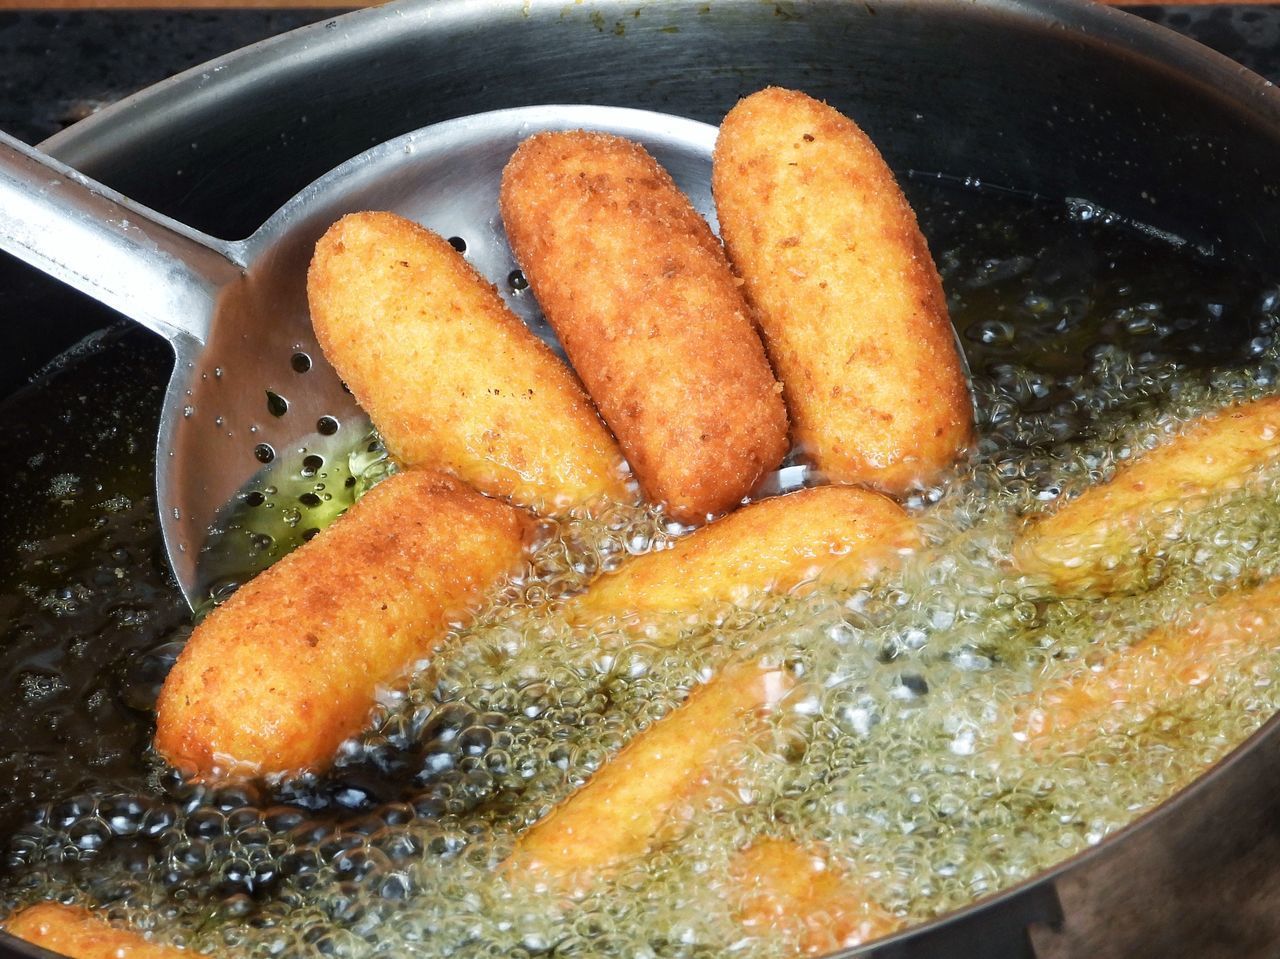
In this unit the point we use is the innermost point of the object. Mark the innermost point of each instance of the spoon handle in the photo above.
(150, 268)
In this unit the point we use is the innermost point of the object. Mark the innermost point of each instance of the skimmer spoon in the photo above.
(254, 417)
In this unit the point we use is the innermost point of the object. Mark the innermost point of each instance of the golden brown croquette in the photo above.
(662, 773)
(1093, 543)
(277, 677)
(451, 378)
(76, 932)
(798, 893)
(773, 545)
(640, 294)
(846, 293)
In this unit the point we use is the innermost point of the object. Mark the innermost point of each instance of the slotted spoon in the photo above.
(252, 405)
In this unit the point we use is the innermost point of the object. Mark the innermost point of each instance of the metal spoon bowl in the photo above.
(252, 405)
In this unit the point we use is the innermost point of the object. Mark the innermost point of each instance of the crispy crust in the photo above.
(846, 293)
(639, 291)
(274, 679)
(79, 934)
(796, 891)
(1092, 543)
(621, 811)
(451, 378)
(773, 545)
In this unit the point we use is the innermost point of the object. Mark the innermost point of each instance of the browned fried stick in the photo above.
(1098, 541)
(1167, 664)
(837, 533)
(278, 676)
(79, 934)
(619, 814)
(639, 291)
(451, 378)
(797, 891)
(851, 306)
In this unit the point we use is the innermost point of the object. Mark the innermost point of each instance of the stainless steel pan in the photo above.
(1056, 97)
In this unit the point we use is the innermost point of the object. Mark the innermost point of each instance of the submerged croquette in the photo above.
(799, 894)
(1154, 672)
(77, 933)
(1094, 543)
(773, 545)
(667, 769)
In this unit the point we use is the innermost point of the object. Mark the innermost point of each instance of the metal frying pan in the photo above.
(1063, 97)
(252, 402)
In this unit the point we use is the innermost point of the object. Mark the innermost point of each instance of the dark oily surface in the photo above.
(62, 66)
(57, 67)
(89, 605)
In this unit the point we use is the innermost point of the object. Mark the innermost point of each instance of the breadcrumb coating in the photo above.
(851, 306)
(1164, 665)
(773, 545)
(641, 792)
(451, 378)
(797, 892)
(1090, 543)
(277, 677)
(638, 289)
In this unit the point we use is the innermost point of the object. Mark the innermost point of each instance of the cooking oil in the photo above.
(1090, 340)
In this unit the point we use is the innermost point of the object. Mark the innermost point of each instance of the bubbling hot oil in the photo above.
(1089, 342)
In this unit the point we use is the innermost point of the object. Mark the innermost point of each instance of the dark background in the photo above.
(58, 67)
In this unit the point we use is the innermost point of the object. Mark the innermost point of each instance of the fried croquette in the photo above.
(1095, 543)
(638, 289)
(1166, 664)
(76, 932)
(773, 545)
(846, 293)
(624, 808)
(277, 677)
(796, 891)
(451, 378)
